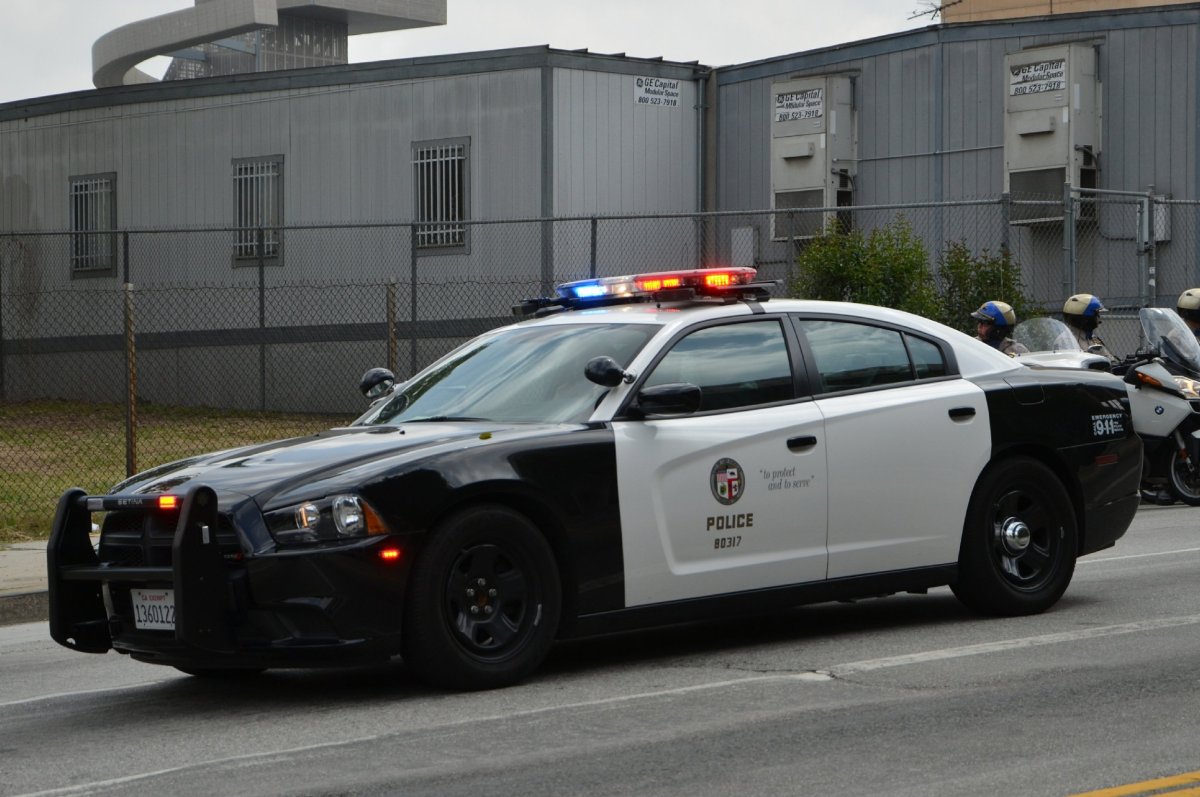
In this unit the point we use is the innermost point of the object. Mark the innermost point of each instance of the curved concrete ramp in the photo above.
(116, 54)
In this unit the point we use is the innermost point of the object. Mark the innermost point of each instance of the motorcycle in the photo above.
(1164, 396)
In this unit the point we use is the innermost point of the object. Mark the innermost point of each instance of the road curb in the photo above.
(24, 607)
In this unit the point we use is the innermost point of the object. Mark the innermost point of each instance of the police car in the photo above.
(642, 450)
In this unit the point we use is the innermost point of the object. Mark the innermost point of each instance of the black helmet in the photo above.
(1083, 311)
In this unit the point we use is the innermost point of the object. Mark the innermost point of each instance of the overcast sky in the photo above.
(46, 45)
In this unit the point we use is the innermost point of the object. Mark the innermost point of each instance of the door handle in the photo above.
(962, 413)
(801, 443)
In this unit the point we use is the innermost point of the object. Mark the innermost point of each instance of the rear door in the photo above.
(732, 497)
(906, 440)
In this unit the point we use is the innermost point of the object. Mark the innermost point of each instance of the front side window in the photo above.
(532, 374)
(441, 180)
(734, 365)
(853, 356)
(258, 209)
(93, 224)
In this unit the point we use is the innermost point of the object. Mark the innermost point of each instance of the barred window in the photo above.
(440, 177)
(258, 205)
(93, 223)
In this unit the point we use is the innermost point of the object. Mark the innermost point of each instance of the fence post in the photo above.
(392, 353)
(130, 385)
(1151, 249)
(412, 300)
(592, 260)
(12, 249)
(547, 276)
(260, 246)
(1068, 240)
(1005, 221)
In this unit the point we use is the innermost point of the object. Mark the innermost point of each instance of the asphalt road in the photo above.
(907, 695)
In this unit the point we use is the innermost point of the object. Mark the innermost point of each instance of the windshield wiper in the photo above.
(440, 419)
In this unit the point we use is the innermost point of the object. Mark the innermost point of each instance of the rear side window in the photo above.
(854, 356)
(735, 365)
(927, 358)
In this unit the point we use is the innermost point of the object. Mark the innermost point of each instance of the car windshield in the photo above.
(523, 374)
(1045, 334)
(1166, 331)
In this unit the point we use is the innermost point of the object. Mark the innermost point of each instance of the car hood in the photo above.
(268, 469)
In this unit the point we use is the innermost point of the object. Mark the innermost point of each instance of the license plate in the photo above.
(153, 609)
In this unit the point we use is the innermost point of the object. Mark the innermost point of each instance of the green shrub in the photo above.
(965, 281)
(887, 266)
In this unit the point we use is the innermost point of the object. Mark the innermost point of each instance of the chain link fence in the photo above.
(173, 342)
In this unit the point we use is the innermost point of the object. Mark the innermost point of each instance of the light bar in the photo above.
(702, 281)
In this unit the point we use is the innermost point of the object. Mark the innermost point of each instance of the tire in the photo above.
(1183, 482)
(483, 603)
(1019, 543)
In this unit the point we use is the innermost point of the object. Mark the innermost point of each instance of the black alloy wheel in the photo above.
(484, 601)
(1019, 542)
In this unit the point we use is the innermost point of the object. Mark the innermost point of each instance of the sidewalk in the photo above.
(23, 583)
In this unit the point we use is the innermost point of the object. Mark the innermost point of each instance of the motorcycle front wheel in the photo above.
(1183, 478)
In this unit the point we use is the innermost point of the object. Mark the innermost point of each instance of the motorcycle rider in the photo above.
(1188, 308)
(1081, 313)
(994, 321)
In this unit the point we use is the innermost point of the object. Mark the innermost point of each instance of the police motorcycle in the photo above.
(1163, 398)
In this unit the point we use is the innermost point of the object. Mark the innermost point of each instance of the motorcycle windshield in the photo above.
(1045, 334)
(1166, 331)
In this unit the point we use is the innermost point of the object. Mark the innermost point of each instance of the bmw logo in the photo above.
(1158, 409)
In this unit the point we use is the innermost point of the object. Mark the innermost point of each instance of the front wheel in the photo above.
(484, 601)
(1183, 477)
(1019, 541)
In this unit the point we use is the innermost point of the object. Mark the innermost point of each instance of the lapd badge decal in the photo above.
(727, 481)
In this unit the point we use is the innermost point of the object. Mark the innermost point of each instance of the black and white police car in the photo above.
(645, 450)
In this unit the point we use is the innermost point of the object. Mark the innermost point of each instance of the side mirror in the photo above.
(677, 398)
(604, 371)
(376, 382)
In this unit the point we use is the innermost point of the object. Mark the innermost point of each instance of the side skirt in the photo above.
(766, 600)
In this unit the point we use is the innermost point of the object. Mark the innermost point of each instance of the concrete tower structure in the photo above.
(226, 37)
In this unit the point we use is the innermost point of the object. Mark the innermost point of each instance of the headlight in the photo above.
(336, 517)
(1190, 387)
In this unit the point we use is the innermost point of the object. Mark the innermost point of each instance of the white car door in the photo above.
(733, 497)
(906, 442)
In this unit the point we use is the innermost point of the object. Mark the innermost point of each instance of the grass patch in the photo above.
(47, 447)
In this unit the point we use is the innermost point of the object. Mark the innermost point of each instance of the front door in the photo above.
(733, 497)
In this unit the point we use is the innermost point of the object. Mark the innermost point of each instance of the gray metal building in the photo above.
(257, 192)
(1104, 101)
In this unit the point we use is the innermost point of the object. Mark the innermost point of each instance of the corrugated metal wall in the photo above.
(930, 119)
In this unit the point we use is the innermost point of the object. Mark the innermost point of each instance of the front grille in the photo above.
(144, 539)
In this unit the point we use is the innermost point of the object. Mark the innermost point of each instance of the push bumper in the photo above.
(304, 607)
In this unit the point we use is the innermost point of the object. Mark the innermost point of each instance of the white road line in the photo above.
(826, 675)
(1088, 560)
(869, 665)
(57, 695)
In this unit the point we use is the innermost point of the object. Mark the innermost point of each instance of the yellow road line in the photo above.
(1147, 786)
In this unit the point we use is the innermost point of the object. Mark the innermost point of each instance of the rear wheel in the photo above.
(1019, 542)
(1183, 477)
(484, 601)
